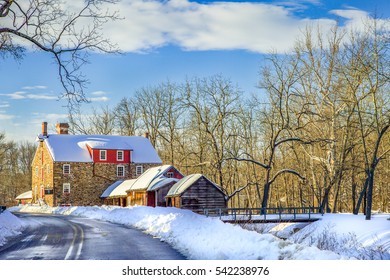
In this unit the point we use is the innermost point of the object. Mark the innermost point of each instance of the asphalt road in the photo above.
(57, 237)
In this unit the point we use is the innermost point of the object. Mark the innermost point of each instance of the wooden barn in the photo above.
(116, 194)
(196, 192)
(24, 198)
(152, 186)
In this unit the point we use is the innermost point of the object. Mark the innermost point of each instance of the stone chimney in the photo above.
(62, 128)
(44, 129)
(146, 135)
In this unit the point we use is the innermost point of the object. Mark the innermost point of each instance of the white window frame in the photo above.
(37, 171)
(120, 152)
(123, 171)
(64, 169)
(139, 167)
(103, 152)
(66, 186)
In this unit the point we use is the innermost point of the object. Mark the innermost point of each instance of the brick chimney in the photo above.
(62, 128)
(44, 129)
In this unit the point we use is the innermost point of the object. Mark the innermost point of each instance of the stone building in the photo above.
(76, 169)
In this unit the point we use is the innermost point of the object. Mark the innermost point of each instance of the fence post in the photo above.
(295, 213)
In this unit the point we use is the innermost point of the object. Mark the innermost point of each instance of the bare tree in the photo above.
(67, 33)
(127, 116)
(214, 104)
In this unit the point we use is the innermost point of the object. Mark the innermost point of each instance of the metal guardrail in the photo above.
(2, 208)
(263, 213)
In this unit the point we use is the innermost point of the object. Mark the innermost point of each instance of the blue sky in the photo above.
(170, 40)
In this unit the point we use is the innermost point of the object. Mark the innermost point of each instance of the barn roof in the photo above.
(118, 188)
(182, 185)
(73, 148)
(151, 179)
(25, 195)
(110, 188)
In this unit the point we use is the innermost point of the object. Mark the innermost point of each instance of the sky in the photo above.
(170, 40)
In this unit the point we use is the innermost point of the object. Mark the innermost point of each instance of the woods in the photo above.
(315, 134)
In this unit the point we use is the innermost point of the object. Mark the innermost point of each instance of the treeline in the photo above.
(15, 169)
(316, 134)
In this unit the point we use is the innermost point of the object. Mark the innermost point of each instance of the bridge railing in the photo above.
(292, 213)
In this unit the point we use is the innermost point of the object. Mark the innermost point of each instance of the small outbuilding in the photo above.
(152, 186)
(24, 198)
(196, 192)
(116, 194)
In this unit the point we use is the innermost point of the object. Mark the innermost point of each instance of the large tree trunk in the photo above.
(361, 196)
(370, 188)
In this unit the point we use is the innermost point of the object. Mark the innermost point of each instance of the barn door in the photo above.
(151, 199)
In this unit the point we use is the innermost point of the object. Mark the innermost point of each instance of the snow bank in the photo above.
(196, 236)
(346, 234)
(10, 226)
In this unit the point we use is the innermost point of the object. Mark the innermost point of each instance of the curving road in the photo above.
(57, 237)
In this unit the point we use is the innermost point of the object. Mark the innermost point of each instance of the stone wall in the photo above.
(88, 181)
(42, 174)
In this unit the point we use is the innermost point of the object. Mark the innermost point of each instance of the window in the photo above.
(170, 174)
(48, 191)
(103, 154)
(66, 188)
(119, 155)
(37, 171)
(139, 169)
(66, 169)
(120, 171)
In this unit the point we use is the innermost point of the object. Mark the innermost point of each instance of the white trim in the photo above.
(139, 167)
(66, 186)
(105, 155)
(117, 155)
(117, 171)
(63, 169)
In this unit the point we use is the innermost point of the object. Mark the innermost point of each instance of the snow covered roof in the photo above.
(110, 188)
(182, 185)
(73, 148)
(119, 188)
(150, 178)
(25, 195)
(161, 182)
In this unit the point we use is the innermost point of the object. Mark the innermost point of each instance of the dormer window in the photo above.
(119, 156)
(103, 155)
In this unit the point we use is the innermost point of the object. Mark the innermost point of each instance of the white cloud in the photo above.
(17, 95)
(34, 87)
(256, 27)
(99, 92)
(216, 25)
(6, 117)
(99, 99)
(41, 97)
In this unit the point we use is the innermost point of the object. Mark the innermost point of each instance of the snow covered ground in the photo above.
(335, 236)
(10, 226)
